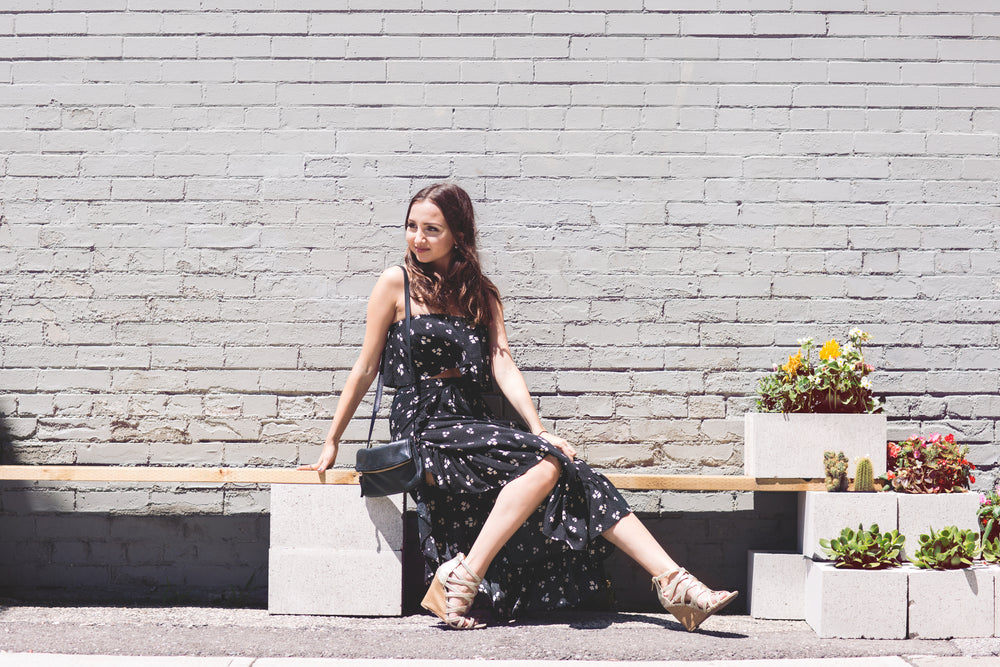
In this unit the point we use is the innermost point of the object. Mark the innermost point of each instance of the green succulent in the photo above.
(864, 549)
(991, 550)
(950, 548)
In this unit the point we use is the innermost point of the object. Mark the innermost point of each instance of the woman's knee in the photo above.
(551, 468)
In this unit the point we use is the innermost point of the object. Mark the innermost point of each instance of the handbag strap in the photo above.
(409, 355)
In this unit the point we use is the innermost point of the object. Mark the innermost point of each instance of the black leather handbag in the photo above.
(396, 467)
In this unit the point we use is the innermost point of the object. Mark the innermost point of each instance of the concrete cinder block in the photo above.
(776, 584)
(918, 512)
(333, 516)
(824, 515)
(831, 612)
(952, 603)
(332, 582)
(792, 445)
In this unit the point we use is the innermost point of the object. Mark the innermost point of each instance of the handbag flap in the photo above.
(384, 457)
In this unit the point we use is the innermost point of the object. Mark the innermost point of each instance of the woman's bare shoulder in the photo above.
(390, 279)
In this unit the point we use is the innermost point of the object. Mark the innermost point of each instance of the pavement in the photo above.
(119, 636)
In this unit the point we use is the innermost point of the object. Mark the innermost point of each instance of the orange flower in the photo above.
(793, 365)
(830, 350)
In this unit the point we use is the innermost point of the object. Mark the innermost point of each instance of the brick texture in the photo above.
(194, 206)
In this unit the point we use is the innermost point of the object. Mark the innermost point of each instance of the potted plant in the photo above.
(807, 406)
(931, 476)
(934, 464)
(989, 516)
(865, 549)
(864, 561)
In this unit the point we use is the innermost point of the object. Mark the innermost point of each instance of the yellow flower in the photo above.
(830, 350)
(793, 365)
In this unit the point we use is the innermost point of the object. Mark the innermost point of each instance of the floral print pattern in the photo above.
(555, 559)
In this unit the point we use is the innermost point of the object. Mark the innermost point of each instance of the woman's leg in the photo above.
(635, 540)
(638, 543)
(451, 593)
(517, 500)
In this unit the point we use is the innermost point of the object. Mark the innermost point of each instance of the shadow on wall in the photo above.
(6, 443)
(92, 557)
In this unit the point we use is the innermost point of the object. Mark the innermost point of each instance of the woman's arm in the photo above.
(383, 306)
(512, 384)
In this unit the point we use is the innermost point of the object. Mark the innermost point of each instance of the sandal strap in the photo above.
(676, 591)
(453, 581)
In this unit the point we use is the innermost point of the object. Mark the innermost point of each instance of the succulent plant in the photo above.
(950, 548)
(864, 476)
(991, 550)
(835, 464)
(865, 549)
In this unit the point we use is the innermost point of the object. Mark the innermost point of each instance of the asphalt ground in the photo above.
(579, 636)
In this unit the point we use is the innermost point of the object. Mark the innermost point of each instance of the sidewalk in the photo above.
(52, 660)
(203, 637)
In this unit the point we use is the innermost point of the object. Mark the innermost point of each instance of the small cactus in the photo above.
(835, 464)
(864, 477)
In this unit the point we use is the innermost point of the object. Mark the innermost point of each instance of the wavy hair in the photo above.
(463, 288)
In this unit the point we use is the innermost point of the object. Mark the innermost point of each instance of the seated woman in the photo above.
(510, 520)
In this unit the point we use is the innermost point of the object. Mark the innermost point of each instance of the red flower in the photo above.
(949, 438)
(890, 475)
(972, 480)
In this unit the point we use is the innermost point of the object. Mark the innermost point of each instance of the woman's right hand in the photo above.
(327, 457)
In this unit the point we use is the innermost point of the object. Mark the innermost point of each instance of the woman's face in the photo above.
(428, 236)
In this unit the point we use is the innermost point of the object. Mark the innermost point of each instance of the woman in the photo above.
(529, 515)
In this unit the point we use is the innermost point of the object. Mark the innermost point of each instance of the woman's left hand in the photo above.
(559, 443)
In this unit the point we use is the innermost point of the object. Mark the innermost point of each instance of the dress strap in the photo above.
(409, 354)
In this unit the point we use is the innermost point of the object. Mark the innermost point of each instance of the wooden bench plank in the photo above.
(99, 473)
(627, 481)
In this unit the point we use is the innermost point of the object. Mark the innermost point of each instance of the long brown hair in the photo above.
(463, 288)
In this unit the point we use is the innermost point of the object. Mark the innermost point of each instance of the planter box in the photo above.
(868, 604)
(952, 603)
(776, 584)
(824, 515)
(920, 511)
(792, 445)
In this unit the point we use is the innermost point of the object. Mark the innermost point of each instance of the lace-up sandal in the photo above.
(689, 600)
(450, 596)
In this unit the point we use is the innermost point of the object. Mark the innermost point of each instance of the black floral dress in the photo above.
(555, 559)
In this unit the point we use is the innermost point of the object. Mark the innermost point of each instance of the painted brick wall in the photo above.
(197, 195)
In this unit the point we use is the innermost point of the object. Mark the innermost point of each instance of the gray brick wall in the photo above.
(196, 198)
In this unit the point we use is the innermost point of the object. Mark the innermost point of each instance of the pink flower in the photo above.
(935, 437)
(982, 498)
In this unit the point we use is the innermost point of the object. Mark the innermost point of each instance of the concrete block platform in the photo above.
(792, 445)
(952, 603)
(920, 511)
(776, 585)
(334, 552)
(824, 515)
(868, 604)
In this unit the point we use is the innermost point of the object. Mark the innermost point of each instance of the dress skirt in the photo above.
(555, 559)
